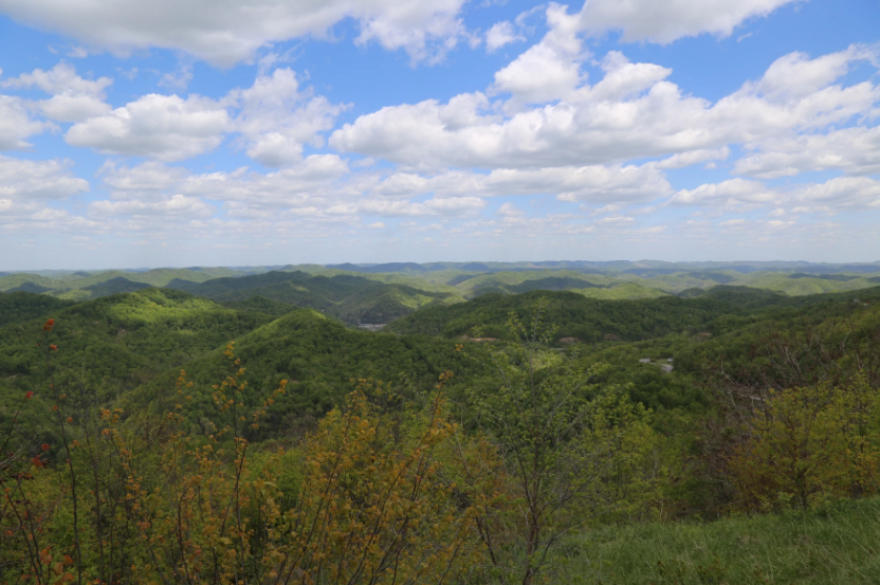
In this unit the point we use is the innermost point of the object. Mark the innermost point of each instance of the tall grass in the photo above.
(839, 545)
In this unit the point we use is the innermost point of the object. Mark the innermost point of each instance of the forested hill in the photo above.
(576, 316)
(16, 307)
(113, 344)
(319, 357)
(593, 320)
(349, 298)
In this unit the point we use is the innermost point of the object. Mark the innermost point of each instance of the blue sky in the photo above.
(224, 132)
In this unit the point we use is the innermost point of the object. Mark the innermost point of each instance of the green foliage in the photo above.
(588, 320)
(369, 501)
(19, 307)
(319, 357)
(575, 453)
(811, 445)
(113, 344)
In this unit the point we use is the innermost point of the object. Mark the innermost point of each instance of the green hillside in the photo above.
(86, 285)
(589, 320)
(114, 344)
(350, 298)
(828, 547)
(12, 281)
(18, 307)
(319, 357)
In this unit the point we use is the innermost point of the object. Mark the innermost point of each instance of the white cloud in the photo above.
(178, 79)
(426, 30)
(172, 207)
(616, 220)
(694, 157)
(167, 128)
(632, 112)
(597, 184)
(451, 206)
(74, 98)
(834, 195)
(227, 31)
(795, 75)
(549, 70)
(38, 180)
(855, 151)
(277, 118)
(309, 184)
(61, 78)
(841, 193)
(16, 124)
(509, 210)
(735, 192)
(145, 180)
(795, 94)
(501, 34)
(664, 22)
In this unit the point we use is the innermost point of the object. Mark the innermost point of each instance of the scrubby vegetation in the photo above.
(161, 436)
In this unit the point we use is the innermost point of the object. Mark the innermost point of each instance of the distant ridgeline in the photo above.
(372, 295)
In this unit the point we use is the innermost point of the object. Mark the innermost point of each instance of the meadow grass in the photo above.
(838, 545)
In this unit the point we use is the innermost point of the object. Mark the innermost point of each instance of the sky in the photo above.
(263, 132)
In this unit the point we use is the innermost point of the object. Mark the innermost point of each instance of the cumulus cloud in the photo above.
(176, 206)
(796, 94)
(550, 69)
(735, 192)
(16, 124)
(664, 22)
(501, 34)
(426, 30)
(595, 184)
(228, 31)
(855, 151)
(509, 210)
(73, 98)
(840, 193)
(694, 157)
(295, 186)
(451, 206)
(148, 179)
(835, 195)
(632, 112)
(167, 128)
(795, 75)
(27, 180)
(277, 118)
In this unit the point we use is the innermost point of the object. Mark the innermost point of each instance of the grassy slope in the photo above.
(833, 547)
